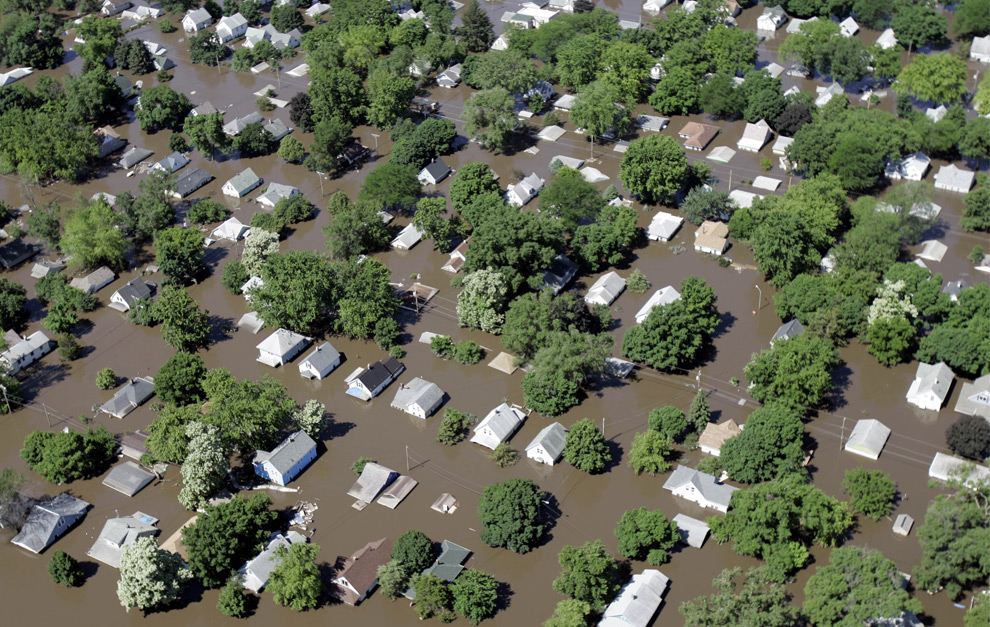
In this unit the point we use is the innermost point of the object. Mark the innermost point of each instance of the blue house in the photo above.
(288, 459)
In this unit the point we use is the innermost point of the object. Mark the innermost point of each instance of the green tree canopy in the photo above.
(644, 533)
(509, 512)
(759, 601)
(796, 371)
(771, 445)
(586, 448)
(871, 492)
(654, 168)
(185, 327)
(587, 573)
(226, 535)
(938, 77)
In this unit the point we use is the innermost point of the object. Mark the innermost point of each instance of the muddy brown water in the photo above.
(583, 507)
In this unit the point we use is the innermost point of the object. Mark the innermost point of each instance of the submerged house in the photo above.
(715, 436)
(664, 226)
(232, 229)
(786, 331)
(755, 137)
(130, 293)
(241, 184)
(945, 467)
(26, 352)
(129, 397)
(711, 237)
(930, 386)
(699, 487)
(868, 438)
(196, 20)
(697, 136)
(498, 426)
(408, 237)
(118, 533)
(660, 298)
(638, 601)
(367, 383)
(320, 363)
(128, 478)
(256, 573)
(281, 346)
(606, 289)
(286, 460)
(548, 445)
(49, 520)
(974, 398)
(373, 479)
(190, 181)
(94, 281)
(419, 398)
(357, 575)
(525, 190)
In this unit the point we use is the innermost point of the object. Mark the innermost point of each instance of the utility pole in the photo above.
(375, 135)
(407, 458)
(730, 180)
(603, 426)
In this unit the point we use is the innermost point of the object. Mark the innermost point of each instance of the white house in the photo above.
(498, 426)
(501, 42)
(715, 435)
(457, 257)
(693, 532)
(664, 226)
(605, 290)
(49, 520)
(953, 179)
(945, 467)
(932, 250)
(936, 114)
(912, 167)
(660, 298)
(755, 137)
(887, 39)
(825, 94)
(172, 163)
(564, 103)
(539, 15)
(525, 190)
(241, 184)
(119, 532)
(548, 445)
(317, 10)
(232, 229)
(559, 274)
(256, 573)
(419, 397)
(434, 173)
(771, 19)
(26, 352)
(868, 438)
(700, 488)
(654, 7)
(196, 20)
(231, 27)
(94, 281)
(711, 237)
(638, 601)
(980, 50)
(281, 346)
(130, 293)
(287, 460)
(276, 192)
(848, 27)
(451, 77)
(974, 398)
(113, 7)
(407, 237)
(930, 386)
(367, 383)
(320, 363)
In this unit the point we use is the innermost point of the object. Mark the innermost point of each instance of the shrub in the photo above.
(970, 437)
(64, 569)
(468, 353)
(166, 26)
(442, 346)
(207, 211)
(267, 222)
(637, 283)
(106, 379)
(68, 348)
(358, 467)
(453, 427)
(504, 456)
(234, 276)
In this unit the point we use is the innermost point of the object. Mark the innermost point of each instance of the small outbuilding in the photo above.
(372, 480)
(786, 331)
(276, 192)
(693, 532)
(980, 49)
(134, 445)
(434, 173)
(903, 524)
(128, 478)
(664, 226)
(231, 229)
(190, 181)
(548, 445)
(397, 492)
(638, 601)
(320, 363)
(912, 167)
(408, 237)
(868, 438)
(945, 467)
(287, 460)
(419, 398)
(715, 436)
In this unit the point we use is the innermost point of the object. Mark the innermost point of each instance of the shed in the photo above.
(693, 532)
(408, 237)
(236, 126)
(564, 103)
(94, 281)
(664, 226)
(606, 289)
(242, 183)
(714, 437)
(128, 478)
(848, 27)
(320, 363)
(173, 543)
(930, 386)
(419, 398)
(953, 179)
(49, 520)
(231, 229)
(118, 533)
(711, 237)
(548, 445)
(397, 492)
(46, 267)
(281, 346)
(25, 352)
(134, 445)
(445, 504)
(251, 322)
(133, 157)
(357, 575)
(638, 601)
(287, 460)
(504, 362)
(825, 94)
(551, 133)
(457, 257)
(742, 199)
(980, 49)
(721, 154)
(936, 114)
(974, 398)
(903, 524)
(256, 573)
(373, 479)
(129, 397)
(498, 426)
(887, 39)
(868, 438)
(945, 467)
(932, 250)
(190, 181)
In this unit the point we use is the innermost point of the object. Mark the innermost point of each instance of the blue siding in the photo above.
(295, 470)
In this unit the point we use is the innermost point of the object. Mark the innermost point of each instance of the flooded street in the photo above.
(582, 507)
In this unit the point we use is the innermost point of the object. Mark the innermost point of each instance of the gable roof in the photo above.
(637, 601)
(129, 397)
(133, 157)
(373, 479)
(945, 467)
(698, 135)
(322, 356)
(134, 290)
(932, 379)
(559, 274)
(715, 435)
(951, 177)
(117, 533)
(704, 483)
(380, 372)
(788, 330)
(287, 454)
(94, 280)
(418, 391)
(551, 438)
(974, 399)
(693, 531)
(437, 170)
(172, 163)
(42, 527)
(361, 568)
(664, 225)
(190, 181)
(868, 438)
(607, 287)
(231, 228)
(244, 181)
(258, 571)
(503, 421)
(128, 478)
(660, 298)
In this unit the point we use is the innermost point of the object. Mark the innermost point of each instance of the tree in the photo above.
(510, 70)
(13, 296)
(938, 77)
(653, 168)
(233, 601)
(772, 444)
(649, 452)
(415, 551)
(481, 302)
(106, 379)
(918, 24)
(259, 245)
(970, 437)
(205, 48)
(607, 240)
(250, 414)
(179, 254)
(965, 327)
(296, 581)
(392, 579)
(226, 535)
(335, 91)
(65, 570)
(587, 573)
(284, 18)
(296, 291)
(453, 427)
(311, 418)
(430, 220)
(796, 371)
(44, 224)
(179, 379)
(702, 204)
(162, 107)
(846, 60)
(367, 298)
(794, 117)
(560, 369)
(570, 198)
(206, 134)
(13, 506)
(856, 586)
(627, 69)
(354, 230)
(150, 577)
(291, 149)
(294, 209)
(636, 282)
(472, 180)
(391, 186)
(509, 512)
(570, 613)
(979, 614)
(673, 335)
(720, 97)
(93, 95)
(595, 110)
(533, 319)
(91, 237)
(975, 140)
(764, 100)
(388, 97)
(184, 326)
(433, 597)
(132, 55)
(476, 29)
(255, 141)
(475, 595)
(972, 19)
(871, 492)
(760, 601)
(205, 467)
(644, 533)
(490, 118)
(586, 448)
(69, 455)
(668, 421)
(167, 440)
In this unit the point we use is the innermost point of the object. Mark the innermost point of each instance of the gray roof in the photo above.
(133, 157)
(244, 181)
(710, 489)
(190, 181)
(278, 191)
(974, 399)
(134, 290)
(419, 392)
(951, 177)
(199, 16)
(397, 492)
(237, 125)
(42, 527)
(128, 478)
(15, 252)
(932, 378)
(552, 439)
(283, 342)
(447, 567)
(664, 225)
(638, 600)
(94, 280)
(129, 397)
(258, 571)
(374, 478)
(788, 330)
(288, 453)
(437, 170)
(607, 287)
(559, 274)
(693, 531)
(945, 467)
(277, 128)
(868, 438)
(174, 162)
(322, 357)
(906, 619)
(204, 109)
(117, 534)
(503, 421)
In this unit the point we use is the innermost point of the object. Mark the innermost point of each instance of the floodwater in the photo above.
(582, 507)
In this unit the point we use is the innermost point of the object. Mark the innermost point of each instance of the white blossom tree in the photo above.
(149, 577)
(258, 246)
(206, 465)
(890, 303)
(481, 304)
(311, 418)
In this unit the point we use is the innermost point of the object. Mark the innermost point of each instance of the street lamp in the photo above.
(759, 303)
(375, 135)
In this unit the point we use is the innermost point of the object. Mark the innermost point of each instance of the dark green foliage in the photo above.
(296, 581)
(234, 276)
(43, 223)
(586, 448)
(13, 296)
(570, 612)
(963, 339)
(226, 535)
(607, 241)
(390, 186)
(701, 204)
(207, 211)
(296, 292)
(63, 569)
(654, 168)
(133, 56)
(871, 492)
(764, 98)
(509, 512)
(560, 369)
(30, 41)
(205, 48)
(415, 550)
(972, 19)
(699, 415)
(358, 466)
(294, 210)
(453, 427)
(286, 17)
(475, 595)
(669, 421)
(649, 453)
(185, 327)
(587, 573)
(233, 601)
(180, 254)
(952, 537)
(433, 597)
(970, 437)
(162, 107)
(646, 534)
(167, 439)
(267, 222)
(255, 141)
(179, 379)
(759, 601)
(68, 348)
(106, 379)
(476, 29)
(771, 445)
(250, 414)
(795, 372)
(66, 456)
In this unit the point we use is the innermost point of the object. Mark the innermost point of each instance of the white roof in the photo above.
(664, 225)
(637, 601)
(565, 102)
(276, 192)
(755, 136)
(551, 133)
(593, 175)
(661, 297)
(767, 183)
(743, 200)
(233, 22)
(887, 40)
(868, 438)
(931, 380)
(282, 342)
(693, 531)
(407, 237)
(953, 178)
(945, 467)
(570, 162)
(848, 27)
(932, 250)
(606, 289)
(721, 154)
(231, 229)
(502, 421)
(781, 144)
(795, 25)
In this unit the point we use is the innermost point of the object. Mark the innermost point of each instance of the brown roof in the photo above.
(135, 441)
(361, 569)
(715, 435)
(712, 235)
(174, 541)
(718, 229)
(698, 135)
